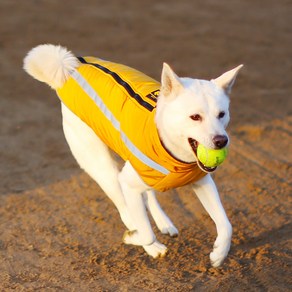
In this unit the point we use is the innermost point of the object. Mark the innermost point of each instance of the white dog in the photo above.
(156, 130)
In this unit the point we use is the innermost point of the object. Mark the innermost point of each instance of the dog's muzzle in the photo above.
(194, 145)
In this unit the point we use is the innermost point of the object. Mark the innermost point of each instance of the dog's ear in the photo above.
(170, 82)
(227, 79)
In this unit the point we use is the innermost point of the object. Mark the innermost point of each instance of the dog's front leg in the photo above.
(208, 195)
(133, 187)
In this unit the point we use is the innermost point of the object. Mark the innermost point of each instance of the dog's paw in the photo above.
(165, 226)
(171, 230)
(156, 249)
(220, 251)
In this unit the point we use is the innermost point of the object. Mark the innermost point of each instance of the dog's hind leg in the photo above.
(162, 221)
(94, 157)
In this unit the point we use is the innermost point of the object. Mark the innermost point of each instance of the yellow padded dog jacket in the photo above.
(119, 104)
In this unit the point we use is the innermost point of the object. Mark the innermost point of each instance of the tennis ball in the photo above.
(211, 157)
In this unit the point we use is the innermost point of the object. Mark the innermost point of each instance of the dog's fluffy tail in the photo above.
(50, 64)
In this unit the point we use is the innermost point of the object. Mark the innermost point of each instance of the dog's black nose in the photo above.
(220, 141)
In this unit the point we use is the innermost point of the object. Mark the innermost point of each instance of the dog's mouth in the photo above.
(194, 145)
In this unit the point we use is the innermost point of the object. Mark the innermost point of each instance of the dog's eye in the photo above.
(221, 115)
(196, 117)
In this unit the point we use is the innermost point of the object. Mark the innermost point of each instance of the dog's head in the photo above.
(193, 111)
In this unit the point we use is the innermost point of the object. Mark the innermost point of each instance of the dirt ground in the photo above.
(59, 232)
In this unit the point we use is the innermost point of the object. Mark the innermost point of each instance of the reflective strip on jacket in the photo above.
(119, 104)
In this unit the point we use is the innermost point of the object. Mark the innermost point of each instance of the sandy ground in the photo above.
(59, 232)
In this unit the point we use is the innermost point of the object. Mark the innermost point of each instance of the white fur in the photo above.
(179, 99)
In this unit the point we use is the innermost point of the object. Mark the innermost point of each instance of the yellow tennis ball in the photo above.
(211, 157)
